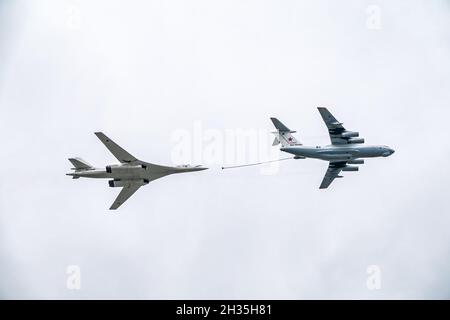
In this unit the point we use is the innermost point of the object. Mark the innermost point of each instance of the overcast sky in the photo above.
(145, 72)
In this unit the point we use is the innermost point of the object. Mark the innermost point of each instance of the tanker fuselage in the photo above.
(339, 152)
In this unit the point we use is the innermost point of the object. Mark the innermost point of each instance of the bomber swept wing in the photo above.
(118, 152)
(126, 192)
(338, 134)
(124, 157)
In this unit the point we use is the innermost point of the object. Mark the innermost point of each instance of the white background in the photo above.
(139, 70)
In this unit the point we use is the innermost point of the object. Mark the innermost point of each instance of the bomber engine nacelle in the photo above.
(356, 161)
(123, 168)
(349, 134)
(356, 140)
(123, 183)
(350, 168)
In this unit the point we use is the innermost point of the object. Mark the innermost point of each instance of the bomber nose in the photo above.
(391, 151)
(198, 168)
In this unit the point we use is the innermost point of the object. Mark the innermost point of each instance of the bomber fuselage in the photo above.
(131, 172)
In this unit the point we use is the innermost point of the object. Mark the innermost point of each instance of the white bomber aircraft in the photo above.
(130, 174)
(345, 151)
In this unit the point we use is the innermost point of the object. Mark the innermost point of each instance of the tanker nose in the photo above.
(388, 152)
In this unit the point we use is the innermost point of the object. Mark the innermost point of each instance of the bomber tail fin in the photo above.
(80, 164)
(283, 135)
